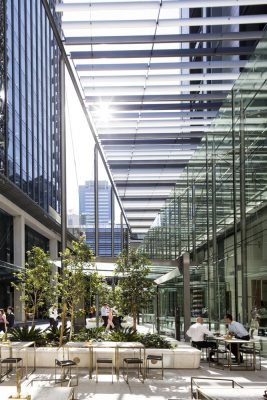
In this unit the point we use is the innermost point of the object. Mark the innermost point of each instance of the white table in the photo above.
(18, 347)
(39, 393)
(221, 393)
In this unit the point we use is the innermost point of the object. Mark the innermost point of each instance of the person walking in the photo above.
(197, 332)
(110, 324)
(104, 313)
(3, 321)
(53, 315)
(236, 329)
(10, 317)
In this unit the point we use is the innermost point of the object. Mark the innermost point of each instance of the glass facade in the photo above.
(32, 141)
(217, 212)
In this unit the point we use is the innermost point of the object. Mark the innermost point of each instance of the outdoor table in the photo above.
(238, 342)
(91, 346)
(221, 393)
(40, 393)
(19, 346)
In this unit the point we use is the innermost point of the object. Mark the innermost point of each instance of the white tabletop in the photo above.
(246, 393)
(39, 393)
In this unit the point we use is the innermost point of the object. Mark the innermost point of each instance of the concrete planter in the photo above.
(180, 357)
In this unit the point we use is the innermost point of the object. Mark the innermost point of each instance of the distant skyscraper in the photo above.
(87, 204)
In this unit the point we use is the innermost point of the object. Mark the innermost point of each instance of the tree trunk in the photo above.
(134, 316)
(63, 317)
(33, 316)
(71, 322)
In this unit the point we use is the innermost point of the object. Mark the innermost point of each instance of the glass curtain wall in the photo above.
(32, 159)
(217, 211)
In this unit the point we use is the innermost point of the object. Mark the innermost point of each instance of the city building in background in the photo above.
(87, 218)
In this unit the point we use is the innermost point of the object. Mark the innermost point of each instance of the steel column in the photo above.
(96, 200)
(234, 207)
(243, 224)
(214, 239)
(112, 221)
(63, 158)
(186, 288)
(208, 228)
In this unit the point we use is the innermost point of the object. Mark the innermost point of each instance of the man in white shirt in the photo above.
(196, 332)
(53, 315)
(104, 313)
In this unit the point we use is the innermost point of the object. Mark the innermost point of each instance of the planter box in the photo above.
(180, 357)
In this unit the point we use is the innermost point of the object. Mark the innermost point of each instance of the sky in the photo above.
(80, 147)
(80, 150)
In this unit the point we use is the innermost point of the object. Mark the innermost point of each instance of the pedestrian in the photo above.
(236, 329)
(92, 312)
(110, 324)
(10, 317)
(3, 320)
(104, 314)
(53, 315)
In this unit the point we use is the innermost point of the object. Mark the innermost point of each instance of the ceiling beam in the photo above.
(138, 24)
(188, 65)
(195, 52)
(183, 38)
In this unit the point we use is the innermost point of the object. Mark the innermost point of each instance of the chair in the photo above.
(16, 361)
(104, 361)
(220, 351)
(153, 359)
(132, 361)
(249, 352)
(65, 369)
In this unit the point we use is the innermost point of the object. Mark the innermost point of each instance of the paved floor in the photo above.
(176, 383)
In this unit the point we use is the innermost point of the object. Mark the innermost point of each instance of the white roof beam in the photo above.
(152, 79)
(152, 5)
(164, 23)
(150, 90)
(187, 37)
(94, 67)
(169, 114)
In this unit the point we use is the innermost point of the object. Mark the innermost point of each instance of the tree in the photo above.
(136, 290)
(72, 280)
(35, 281)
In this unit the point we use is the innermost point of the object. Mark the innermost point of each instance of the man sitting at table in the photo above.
(197, 332)
(236, 329)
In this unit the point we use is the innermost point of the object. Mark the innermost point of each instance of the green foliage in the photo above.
(89, 334)
(154, 341)
(34, 282)
(72, 281)
(52, 335)
(136, 290)
(128, 334)
(27, 334)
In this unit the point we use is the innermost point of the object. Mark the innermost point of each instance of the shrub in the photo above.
(128, 334)
(28, 334)
(52, 335)
(155, 341)
(89, 334)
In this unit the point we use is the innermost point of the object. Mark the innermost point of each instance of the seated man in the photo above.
(236, 329)
(196, 332)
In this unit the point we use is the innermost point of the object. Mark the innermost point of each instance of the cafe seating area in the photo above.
(108, 378)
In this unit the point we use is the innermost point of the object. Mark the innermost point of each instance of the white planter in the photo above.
(180, 357)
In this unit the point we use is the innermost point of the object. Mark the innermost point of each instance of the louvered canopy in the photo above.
(153, 75)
